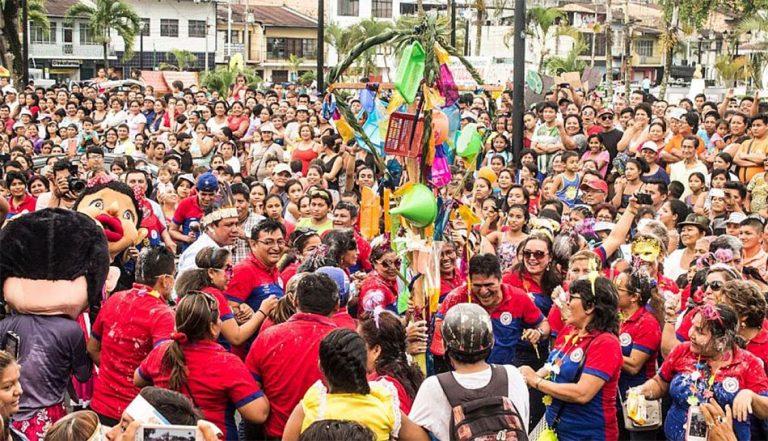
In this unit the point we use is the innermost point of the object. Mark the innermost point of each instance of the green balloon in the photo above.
(418, 205)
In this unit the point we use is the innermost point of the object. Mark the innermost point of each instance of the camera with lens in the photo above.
(75, 184)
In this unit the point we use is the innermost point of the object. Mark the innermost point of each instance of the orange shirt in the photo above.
(677, 141)
(751, 146)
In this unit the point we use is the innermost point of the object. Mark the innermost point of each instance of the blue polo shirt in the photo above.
(515, 313)
(595, 420)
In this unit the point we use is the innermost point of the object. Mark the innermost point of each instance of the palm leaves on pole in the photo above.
(223, 77)
(184, 60)
(731, 70)
(570, 62)
(540, 21)
(370, 28)
(341, 39)
(104, 16)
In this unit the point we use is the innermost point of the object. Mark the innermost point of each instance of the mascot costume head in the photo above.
(116, 210)
(53, 262)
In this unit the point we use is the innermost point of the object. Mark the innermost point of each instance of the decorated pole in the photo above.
(518, 80)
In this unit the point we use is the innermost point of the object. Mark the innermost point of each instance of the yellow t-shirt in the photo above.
(378, 411)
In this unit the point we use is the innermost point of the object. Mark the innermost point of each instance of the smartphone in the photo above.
(697, 425)
(12, 344)
(158, 432)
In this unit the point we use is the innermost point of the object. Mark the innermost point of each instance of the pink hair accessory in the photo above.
(724, 255)
(710, 313)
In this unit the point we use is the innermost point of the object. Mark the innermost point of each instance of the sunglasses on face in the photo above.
(391, 263)
(717, 285)
(538, 255)
(606, 117)
(229, 270)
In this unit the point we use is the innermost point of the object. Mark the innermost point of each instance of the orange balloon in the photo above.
(440, 126)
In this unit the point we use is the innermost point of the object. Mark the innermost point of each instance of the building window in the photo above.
(87, 38)
(349, 7)
(145, 27)
(382, 8)
(169, 27)
(309, 48)
(196, 28)
(38, 36)
(276, 48)
(645, 48)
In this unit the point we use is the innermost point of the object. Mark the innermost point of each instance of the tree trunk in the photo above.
(10, 44)
(479, 31)
(669, 51)
(594, 40)
(106, 56)
(627, 51)
(609, 53)
(420, 7)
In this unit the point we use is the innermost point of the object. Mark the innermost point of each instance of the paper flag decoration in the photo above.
(446, 85)
(441, 170)
(410, 71)
(344, 129)
(454, 119)
(370, 213)
(367, 100)
(441, 54)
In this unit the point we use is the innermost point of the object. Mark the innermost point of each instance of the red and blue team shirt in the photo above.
(252, 282)
(188, 211)
(28, 204)
(641, 332)
(128, 326)
(531, 287)
(225, 312)
(685, 370)
(515, 313)
(758, 346)
(284, 360)
(449, 284)
(601, 355)
(217, 381)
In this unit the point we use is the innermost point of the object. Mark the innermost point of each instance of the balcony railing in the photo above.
(65, 50)
(235, 48)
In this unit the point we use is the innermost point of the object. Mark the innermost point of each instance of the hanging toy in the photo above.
(447, 86)
(440, 126)
(418, 205)
(410, 71)
(441, 170)
(470, 142)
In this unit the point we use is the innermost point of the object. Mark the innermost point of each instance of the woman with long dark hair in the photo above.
(194, 364)
(213, 273)
(581, 376)
(385, 340)
(349, 394)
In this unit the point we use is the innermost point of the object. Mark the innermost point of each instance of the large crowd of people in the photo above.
(612, 287)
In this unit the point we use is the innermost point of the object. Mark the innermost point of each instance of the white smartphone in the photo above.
(697, 426)
(160, 432)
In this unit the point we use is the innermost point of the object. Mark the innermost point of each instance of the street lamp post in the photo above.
(320, 44)
(25, 42)
(142, 27)
(518, 79)
(453, 23)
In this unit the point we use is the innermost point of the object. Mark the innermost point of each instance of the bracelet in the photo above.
(540, 331)
(538, 382)
(260, 311)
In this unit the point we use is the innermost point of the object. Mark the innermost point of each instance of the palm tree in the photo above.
(371, 28)
(294, 63)
(480, 13)
(224, 76)
(731, 70)
(106, 15)
(569, 63)
(540, 22)
(669, 40)
(10, 30)
(184, 60)
(342, 40)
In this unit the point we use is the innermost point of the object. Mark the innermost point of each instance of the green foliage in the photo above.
(307, 78)
(732, 69)
(570, 62)
(184, 60)
(106, 15)
(294, 63)
(224, 77)
(541, 20)
(38, 15)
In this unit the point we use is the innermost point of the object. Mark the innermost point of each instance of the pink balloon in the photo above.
(440, 126)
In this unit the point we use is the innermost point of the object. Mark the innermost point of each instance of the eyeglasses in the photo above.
(573, 297)
(271, 243)
(538, 255)
(606, 117)
(229, 270)
(394, 264)
(717, 285)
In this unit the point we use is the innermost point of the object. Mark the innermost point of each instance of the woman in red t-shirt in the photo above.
(236, 121)
(193, 363)
(19, 200)
(213, 273)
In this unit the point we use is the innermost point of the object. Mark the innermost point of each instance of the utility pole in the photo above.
(25, 44)
(246, 42)
(627, 50)
(229, 28)
(320, 45)
(453, 23)
(141, 44)
(206, 39)
(518, 80)
(609, 53)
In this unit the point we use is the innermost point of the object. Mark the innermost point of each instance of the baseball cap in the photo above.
(149, 98)
(605, 111)
(302, 108)
(677, 113)
(604, 226)
(226, 169)
(281, 168)
(595, 184)
(207, 182)
(340, 277)
(25, 112)
(9, 89)
(469, 115)
(736, 218)
(268, 127)
(650, 145)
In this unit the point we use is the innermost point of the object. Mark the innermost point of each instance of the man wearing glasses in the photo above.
(610, 134)
(516, 319)
(256, 278)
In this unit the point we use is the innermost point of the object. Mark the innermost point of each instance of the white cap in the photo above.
(604, 226)
(677, 113)
(9, 89)
(267, 127)
(736, 218)
(280, 168)
(469, 115)
(301, 107)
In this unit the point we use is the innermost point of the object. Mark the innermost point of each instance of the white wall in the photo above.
(181, 10)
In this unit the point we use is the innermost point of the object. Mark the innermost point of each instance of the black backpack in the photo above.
(482, 414)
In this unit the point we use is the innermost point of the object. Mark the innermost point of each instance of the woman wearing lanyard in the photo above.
(380, 286)
(639, 336)
(581, 376)
(711, 366)
(193, 363)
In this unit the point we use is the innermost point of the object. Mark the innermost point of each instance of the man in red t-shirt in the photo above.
(284, 357)
(129, 325)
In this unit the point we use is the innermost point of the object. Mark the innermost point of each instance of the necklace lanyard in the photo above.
(696, 388)
(571, 343)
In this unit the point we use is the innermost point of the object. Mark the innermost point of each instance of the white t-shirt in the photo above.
(432, 411)
(133, 122)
